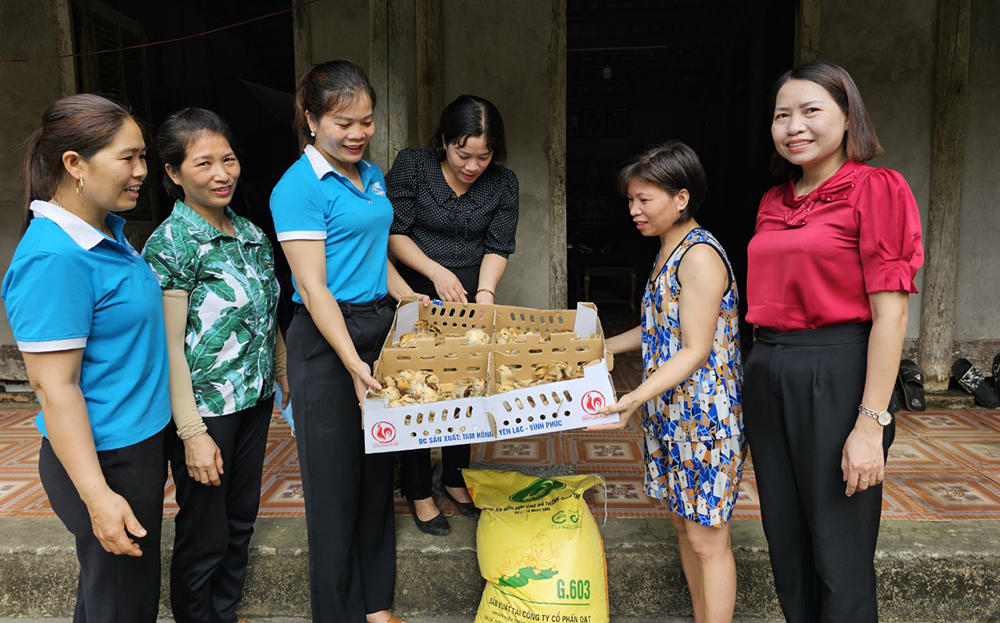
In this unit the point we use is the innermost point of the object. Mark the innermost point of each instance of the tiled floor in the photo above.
(944, 465)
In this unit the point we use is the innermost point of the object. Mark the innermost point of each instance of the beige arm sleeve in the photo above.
(182, 403)
(280, 355)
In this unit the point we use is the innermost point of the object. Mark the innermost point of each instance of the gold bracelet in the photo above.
(493, 294)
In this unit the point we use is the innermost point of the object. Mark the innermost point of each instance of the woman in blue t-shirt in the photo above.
(85, 310)
(332, 219)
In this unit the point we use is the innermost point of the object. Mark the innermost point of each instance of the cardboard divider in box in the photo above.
(546, 322)
(452, 319)
(560, 405)
(433, 424)
(555, 326)
(555, 406)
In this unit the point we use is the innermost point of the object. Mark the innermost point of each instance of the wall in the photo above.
(888, 48)
(27, 30)
(499, 50)
(509, 67)
(339, 29)
(977, 307)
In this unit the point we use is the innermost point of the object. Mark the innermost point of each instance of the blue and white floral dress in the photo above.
(694, 446)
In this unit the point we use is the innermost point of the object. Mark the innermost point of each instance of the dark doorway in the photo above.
(245, 73)
(645, 71)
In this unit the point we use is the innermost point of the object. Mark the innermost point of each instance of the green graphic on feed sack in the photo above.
(537, 490)
(561, 520)
(539, 564)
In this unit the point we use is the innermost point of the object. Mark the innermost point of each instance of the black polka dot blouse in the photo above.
(454, 231)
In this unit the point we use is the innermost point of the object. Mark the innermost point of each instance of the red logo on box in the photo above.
(592, 402)
(384, 432)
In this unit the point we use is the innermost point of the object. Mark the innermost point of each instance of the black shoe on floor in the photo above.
(466, 509)
(438, 526)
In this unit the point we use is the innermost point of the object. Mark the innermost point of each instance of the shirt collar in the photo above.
(75, 227)
(208, 231)
(840, 181)
(442, 192)
(322, 167)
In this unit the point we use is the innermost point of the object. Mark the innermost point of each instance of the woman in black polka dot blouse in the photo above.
(456, 209)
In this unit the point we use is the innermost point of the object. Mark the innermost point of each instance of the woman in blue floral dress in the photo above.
(690, 394)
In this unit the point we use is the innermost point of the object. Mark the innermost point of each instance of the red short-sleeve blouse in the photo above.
(814, 260)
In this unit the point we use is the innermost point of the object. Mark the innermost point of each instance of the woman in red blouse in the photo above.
(830, 268)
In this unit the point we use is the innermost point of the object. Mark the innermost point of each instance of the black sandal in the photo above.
(996, 373)
(973, 381)
(911, 383)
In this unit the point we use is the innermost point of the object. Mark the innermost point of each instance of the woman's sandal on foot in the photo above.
(911, 383)
(973, 381)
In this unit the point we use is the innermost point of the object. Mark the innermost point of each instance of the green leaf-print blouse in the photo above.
(232, 304)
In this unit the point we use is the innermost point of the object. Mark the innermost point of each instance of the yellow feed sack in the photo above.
(540, 550)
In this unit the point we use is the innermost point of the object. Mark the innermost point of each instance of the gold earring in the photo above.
(79, 187)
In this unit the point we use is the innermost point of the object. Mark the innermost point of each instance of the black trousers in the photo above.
(801, 395)
(348, 494)
(415, 465)
(214, 524)
(114, 588)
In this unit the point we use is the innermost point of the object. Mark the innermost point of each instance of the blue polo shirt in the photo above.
(70, 287)
(312, 201)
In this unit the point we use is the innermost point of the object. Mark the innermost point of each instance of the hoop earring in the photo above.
(79, 187)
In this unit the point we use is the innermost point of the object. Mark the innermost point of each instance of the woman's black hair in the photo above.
(673, 166)
(178, 132)
(329, 86)
(470, 115)
(84, 123)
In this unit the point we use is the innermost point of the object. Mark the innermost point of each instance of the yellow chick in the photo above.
(390, 393)
(468, 387)
(505, 374)
(477, 337)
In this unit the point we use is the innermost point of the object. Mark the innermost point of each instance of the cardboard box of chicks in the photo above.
(457, 374)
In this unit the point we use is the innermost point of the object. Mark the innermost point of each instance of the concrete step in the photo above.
(951, 398)
(928, 571)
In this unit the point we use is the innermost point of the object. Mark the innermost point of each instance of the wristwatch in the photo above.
(882, 417)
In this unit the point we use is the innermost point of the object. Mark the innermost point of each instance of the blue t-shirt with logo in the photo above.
(71, 287)
(313, 201)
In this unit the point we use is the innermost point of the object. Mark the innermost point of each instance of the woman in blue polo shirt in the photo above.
(85, 310)
(332, 218)
(220, 298)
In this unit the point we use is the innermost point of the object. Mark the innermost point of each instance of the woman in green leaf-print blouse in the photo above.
(220, 297)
